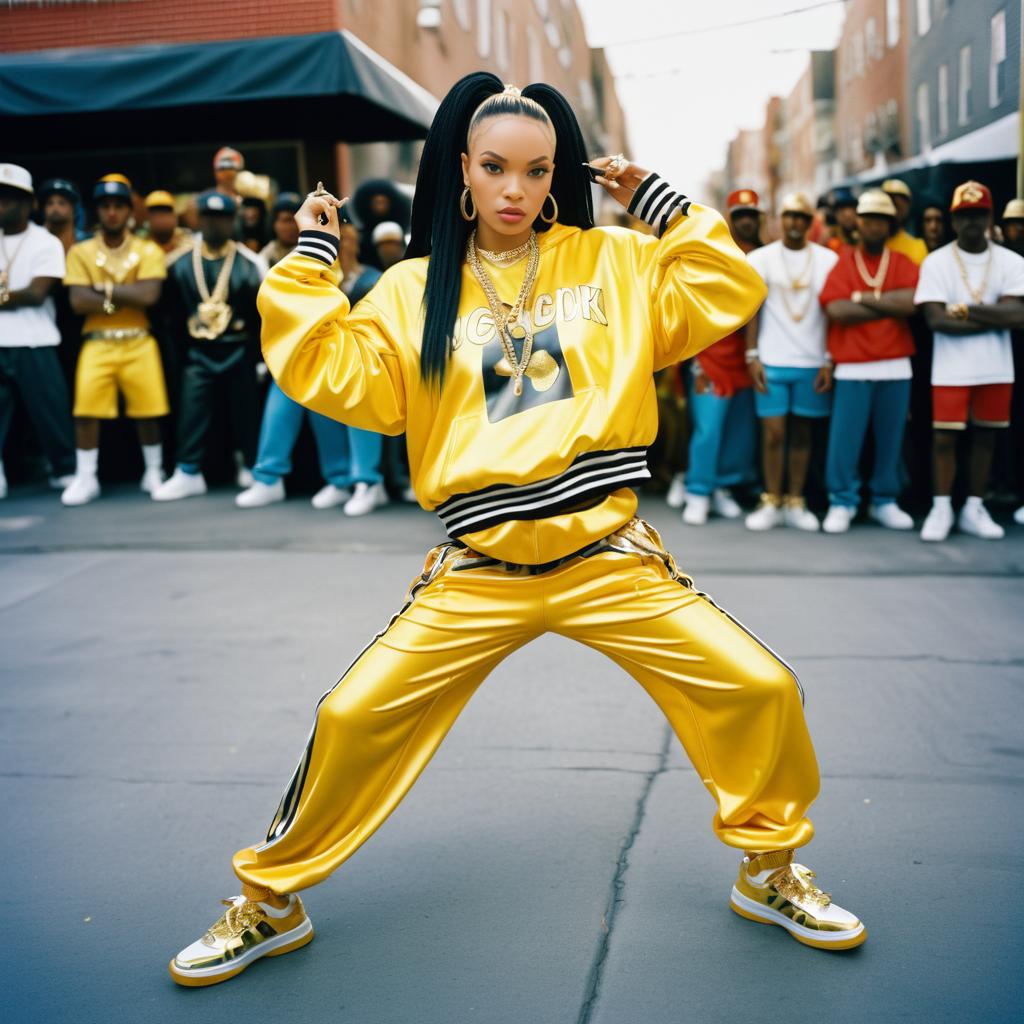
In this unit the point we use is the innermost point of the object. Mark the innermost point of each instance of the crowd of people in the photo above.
(897, 338)
(154, 304)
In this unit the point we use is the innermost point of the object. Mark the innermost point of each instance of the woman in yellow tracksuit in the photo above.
(519, 363)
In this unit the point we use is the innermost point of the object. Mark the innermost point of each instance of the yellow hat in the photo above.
(895, 187)
(797, 202)
(1014, 210)
(877, 202)
(159, 198)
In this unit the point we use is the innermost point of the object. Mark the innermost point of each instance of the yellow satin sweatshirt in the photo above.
(525, 479)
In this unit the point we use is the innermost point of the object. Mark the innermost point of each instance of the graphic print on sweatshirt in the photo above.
(547, 378)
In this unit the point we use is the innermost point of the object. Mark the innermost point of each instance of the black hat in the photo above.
(59, 187)
(288, 202)
(216, 203)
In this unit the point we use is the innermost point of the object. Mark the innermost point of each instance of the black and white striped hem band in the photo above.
(654, 201)
(320, 245)
(592, 474)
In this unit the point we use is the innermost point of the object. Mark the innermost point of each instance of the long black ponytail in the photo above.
(438, 228)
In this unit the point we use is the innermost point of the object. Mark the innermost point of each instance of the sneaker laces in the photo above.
(241, 914)
(795, 882)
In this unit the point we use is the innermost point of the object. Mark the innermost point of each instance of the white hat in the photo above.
(388, 231)
(14, 176)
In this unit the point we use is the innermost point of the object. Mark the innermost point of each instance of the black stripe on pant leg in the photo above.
(290, 801)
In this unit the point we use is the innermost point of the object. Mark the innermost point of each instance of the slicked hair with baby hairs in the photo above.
(438, 228)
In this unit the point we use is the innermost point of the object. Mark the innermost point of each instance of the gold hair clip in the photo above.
(512, 90)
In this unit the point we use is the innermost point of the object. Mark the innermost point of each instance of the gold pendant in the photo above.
(542, 372)
(210, 320)
(518, 386)
(516, 331)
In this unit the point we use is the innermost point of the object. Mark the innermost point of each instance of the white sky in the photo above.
(686, 96)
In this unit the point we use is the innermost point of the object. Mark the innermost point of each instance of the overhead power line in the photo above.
(725, 25)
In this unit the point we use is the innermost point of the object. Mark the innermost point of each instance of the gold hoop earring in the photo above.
(554, 203)
(466, 194)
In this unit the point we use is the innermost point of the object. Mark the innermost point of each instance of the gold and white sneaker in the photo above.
(772, 889)
(247, 931)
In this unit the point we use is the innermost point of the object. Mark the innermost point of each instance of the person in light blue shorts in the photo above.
(789, 363)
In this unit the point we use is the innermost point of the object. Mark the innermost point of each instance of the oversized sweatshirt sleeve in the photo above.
(702, 288)
(342, 363)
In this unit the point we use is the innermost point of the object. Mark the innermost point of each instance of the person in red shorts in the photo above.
(972, 295)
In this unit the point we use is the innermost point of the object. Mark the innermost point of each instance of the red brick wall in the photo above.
(46, 25)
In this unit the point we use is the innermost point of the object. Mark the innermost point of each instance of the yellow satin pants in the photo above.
(735, 706)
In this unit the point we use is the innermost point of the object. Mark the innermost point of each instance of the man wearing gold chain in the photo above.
(869, 295)
(972, 295)
(789, 363)
(211, 306)
(114, 278)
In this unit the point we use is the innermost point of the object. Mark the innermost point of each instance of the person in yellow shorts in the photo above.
(516, 346)
(114, 278)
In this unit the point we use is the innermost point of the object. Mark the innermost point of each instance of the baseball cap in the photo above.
(877, 202)
(113, 186)
(388, 231)
(159, 198)
(1014, 210)
(60, 187)
(797, 202)
(227, 158)
(15, 176)
(743, 199)
(216, 203)
(896, 187)
(971, 195)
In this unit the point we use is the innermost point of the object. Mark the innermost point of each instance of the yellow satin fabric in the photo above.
(624, 304)
(735, 706)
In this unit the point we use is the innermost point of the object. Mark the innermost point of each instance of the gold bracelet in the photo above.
(108, 298)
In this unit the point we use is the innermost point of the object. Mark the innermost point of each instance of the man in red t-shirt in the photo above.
(868, 296)
(723, 443)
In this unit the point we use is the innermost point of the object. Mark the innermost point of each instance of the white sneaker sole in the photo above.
(297, 937)
(753, 911)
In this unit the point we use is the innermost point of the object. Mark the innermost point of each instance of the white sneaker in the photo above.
(366, 498)
(837, 519)
(180, 485)
(409, 496)
(891, 516)
(796, 514)
(766, 516)
(676, 496)
(81, 491)
(1018, 516)
(57, 483)
(938, 523)
(152, 479)
(244, 477)
(330, 496)
(260, 494)
(977, 522)
(695, 512)
(724, 504)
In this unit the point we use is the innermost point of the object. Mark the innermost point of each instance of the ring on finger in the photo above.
(618, 164)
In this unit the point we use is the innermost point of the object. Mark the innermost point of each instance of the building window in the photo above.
(943, 100)
(924, 131)
(533, 54)
(963, 105)
(997, 60)
(924, 16)
(461, 8)
(892, 22)
(501, 39)
(858, 54)
(483, 27)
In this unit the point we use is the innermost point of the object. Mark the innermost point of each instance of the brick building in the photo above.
(376, 68)
(806, 139)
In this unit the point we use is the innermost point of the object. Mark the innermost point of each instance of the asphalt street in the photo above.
(555, 864)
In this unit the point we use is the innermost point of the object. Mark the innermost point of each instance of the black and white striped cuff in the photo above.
(320, 245)
(654, 202)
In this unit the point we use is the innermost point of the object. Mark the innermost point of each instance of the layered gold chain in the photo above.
(5, 271)
(978, 294)
(874, 282)
(797, 283)
(508, 257)
(509, 326)
(116, 262)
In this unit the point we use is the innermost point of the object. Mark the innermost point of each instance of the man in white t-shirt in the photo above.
(31, 263)
(972, 295)
(789, 362)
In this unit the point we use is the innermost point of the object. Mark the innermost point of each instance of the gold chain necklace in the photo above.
(509, 256)
(508, 326)
(124, 255)
(978, 294)
(213, 314)
(5, 275)
(873, 282)
(797, 283)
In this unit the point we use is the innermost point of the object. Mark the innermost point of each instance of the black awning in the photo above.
(327, 85)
